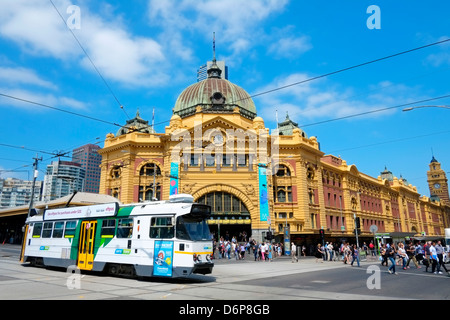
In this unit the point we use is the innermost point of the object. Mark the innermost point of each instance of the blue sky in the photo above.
(148, 51)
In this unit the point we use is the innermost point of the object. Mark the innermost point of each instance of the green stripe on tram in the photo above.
(125, 212)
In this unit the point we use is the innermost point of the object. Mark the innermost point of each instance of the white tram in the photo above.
(161, 238)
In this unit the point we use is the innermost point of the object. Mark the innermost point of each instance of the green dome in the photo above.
(214, 95)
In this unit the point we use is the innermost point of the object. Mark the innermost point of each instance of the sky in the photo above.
(142, 54)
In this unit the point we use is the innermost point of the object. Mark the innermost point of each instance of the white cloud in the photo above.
(237, 23)
(119, 55)
(49, 99)
(15, 76)
(290, 47)
(323, 100)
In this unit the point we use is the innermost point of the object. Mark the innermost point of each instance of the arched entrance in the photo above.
(230, 216)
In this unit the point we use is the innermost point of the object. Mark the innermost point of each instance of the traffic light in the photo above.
(358, 223)
(322, 233)
(269, 235)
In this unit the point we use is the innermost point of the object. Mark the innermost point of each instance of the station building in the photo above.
(217, 149)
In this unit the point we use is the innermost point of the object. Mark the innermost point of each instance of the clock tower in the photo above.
(437, 181)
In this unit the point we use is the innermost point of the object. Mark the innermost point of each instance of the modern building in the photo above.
(62, 178)
(217, 149)
(202, 72)
(15, 192)
(89, 159)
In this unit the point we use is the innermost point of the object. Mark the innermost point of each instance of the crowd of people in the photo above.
(239, 250)
(430, 254)
(399, 255)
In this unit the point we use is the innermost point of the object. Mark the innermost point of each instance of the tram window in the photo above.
(37, 229)
(71, 227)
(125, 228)
(47, 231)
(108, 228)
(58, 229)
(161, 228)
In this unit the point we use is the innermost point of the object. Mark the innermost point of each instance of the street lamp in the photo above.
(418, 107)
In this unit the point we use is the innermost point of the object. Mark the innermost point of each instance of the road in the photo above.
(233, 280)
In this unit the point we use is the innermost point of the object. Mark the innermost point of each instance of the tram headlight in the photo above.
(208, 258)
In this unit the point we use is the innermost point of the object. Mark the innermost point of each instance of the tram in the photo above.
(161, 238)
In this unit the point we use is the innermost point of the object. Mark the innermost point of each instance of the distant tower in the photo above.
(437, 182)
(387, 175)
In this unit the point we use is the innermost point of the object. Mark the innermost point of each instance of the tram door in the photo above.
(86, 245)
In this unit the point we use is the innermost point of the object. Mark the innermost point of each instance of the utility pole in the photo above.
(36, 172)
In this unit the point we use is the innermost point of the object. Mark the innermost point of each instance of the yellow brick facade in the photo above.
(309, 190)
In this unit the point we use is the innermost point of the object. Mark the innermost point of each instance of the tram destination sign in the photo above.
(99, 210)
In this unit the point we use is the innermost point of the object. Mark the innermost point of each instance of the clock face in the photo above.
(437, 185)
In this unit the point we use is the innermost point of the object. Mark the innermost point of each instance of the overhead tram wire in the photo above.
(59, 109)
(332, 73)
(375, 111)
(90, 60)
(347, 69)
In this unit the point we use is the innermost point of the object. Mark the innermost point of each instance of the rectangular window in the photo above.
(108, 228)
(210, 160)
(37, 229)
(161, 228)
(218, 202)
(195, 160)
(226, 202)
(58, 229)
(47, 231)
(125, 228)
(226, 160)
(71, 228)
(242, 160)
(289, 194)
(281, 194)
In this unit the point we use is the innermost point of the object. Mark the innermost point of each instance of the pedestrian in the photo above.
(433, 257)
(391, 252)
(294, 252)
(331, 250)
(402, 254)
(411, 252)
(263, 251)
(355, 255)
(372, 248)
(440, 255)
(242, 251)
(319, 253)
(269, 252)
(426, 255)
(384, 256)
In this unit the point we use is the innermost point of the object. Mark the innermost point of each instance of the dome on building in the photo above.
(214, 95)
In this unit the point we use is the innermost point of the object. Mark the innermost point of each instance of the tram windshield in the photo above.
(192, 227)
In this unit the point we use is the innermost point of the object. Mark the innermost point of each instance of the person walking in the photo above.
(402, 254)
(355, 255)
(411, 252)
(391, 252)
(384, 256)
(440, 255)
(433, 257)
(294, 253)
(319, 253)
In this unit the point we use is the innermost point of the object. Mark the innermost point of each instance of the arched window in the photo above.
(283, 171)
(223, 202)
(149, 170)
